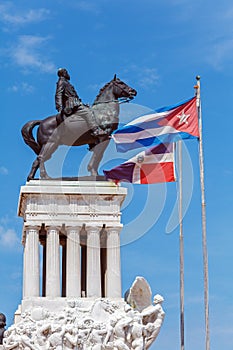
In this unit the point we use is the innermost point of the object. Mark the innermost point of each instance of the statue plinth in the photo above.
(79, 220)
(70, 203)
(72, 295)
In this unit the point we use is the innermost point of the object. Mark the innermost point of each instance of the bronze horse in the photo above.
(74, 131)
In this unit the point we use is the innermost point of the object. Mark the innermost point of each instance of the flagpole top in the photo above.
(197, 86)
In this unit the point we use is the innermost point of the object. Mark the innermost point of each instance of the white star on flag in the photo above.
(183, 118)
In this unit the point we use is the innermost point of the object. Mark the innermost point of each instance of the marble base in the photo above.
(87, 323)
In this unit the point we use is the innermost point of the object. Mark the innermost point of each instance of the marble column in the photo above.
(93, 270)
(31, 263)
(52, 262)
(113, 271)
(73, 268)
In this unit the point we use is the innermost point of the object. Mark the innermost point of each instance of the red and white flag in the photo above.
(151, 166)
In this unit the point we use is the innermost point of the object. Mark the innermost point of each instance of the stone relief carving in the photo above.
(87, 324)
(139, 295)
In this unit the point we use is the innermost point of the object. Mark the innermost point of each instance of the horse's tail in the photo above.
(28, 136)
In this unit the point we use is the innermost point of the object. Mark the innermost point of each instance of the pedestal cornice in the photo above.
(77, 202)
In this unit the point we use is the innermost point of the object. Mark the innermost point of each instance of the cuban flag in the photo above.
(167, 124)
(151, 166)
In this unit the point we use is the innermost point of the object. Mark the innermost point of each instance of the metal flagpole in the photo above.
(203, 213)
(181, 246)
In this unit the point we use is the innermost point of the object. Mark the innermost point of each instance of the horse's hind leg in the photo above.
(98, 152)
(46, 152)
(35, 166)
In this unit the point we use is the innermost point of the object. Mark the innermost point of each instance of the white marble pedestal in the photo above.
(72, 296)
(71, 229)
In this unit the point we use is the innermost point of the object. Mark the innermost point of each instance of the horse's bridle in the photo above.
(125, 99)
(122, 99)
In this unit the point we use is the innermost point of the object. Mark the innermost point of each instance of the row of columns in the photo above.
(112, 277)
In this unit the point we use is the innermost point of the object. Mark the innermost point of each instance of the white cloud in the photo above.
(145, 77)
(88, 6)
(220, 53)
(27, 53)
(148, 77)
(3, 170)
(8, 238)
(12, 16)
(22, 87)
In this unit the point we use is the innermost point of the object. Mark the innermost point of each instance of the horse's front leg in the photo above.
(98, 152)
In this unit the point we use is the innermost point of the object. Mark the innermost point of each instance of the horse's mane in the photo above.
(102, 90)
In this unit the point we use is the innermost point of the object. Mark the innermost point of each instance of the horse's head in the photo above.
(121, 89)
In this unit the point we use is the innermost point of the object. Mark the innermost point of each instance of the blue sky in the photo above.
(158, 47)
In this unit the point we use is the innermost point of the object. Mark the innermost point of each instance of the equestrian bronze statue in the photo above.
(77, 124)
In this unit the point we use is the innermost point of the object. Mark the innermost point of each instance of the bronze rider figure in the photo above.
(68, 102)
